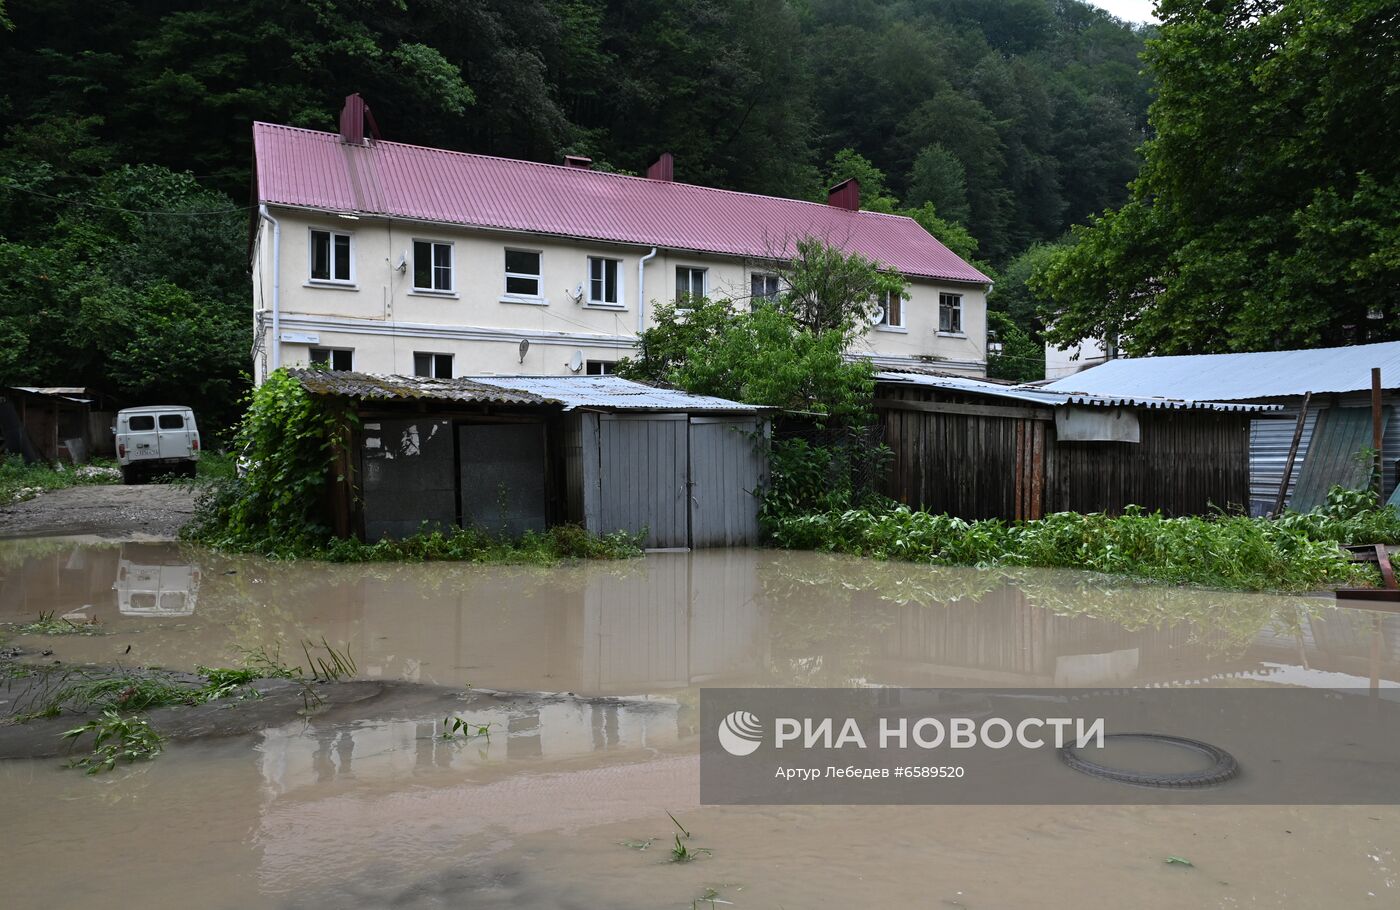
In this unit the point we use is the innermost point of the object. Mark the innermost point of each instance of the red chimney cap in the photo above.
(845, 195)
(663, 169)
(354, 117)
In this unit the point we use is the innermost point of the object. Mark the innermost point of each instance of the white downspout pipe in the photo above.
(276, 285)
(642, 291)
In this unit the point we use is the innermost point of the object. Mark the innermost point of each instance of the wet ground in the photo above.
(102, 510)
(368, 808)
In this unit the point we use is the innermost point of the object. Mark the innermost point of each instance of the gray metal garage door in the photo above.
(503, 477)
(726, 468)
(642, 472)
(407, 476)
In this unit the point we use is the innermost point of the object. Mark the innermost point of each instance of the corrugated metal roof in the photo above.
(1237, 377)
(612, 392)
(317, 170)
(1042, 395)
(390, 388)
(603, 392)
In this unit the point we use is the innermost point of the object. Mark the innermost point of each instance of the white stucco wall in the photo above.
(1062, 362)
(385, 321)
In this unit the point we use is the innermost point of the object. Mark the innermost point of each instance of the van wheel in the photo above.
(130, 475)
(190, 470)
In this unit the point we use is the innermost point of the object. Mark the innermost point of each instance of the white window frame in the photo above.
(766, 276)
(433, 244)
(537, 299)
(332, 281)
(433, 362)
(882, 301)
(691, 295)
(590, 300)
(605, 367)
(957, 307)
(330, 355)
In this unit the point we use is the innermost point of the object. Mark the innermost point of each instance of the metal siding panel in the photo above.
(1339, 435)
(1268, 451)
(407, 476)
(502, 480)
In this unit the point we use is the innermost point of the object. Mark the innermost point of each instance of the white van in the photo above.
(155, 440)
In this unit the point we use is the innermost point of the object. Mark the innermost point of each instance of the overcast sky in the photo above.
(1131, 10)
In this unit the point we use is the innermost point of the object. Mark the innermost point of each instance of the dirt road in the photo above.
(150, 510)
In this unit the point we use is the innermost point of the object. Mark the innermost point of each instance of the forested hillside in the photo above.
(124, 173)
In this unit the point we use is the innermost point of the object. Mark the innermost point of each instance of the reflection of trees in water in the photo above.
(1225, 623)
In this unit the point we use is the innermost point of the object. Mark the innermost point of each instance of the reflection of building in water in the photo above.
(1363, 644)
(151, 581)
(298, 754)
(57, 581)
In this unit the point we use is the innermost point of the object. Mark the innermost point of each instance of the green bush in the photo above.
(1296, 553)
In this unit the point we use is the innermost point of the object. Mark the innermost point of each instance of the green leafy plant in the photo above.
(116, 738)
(49, 624)
(1294, 553)
(453, 727)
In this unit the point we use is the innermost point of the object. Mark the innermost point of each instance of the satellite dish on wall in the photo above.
(576, 361)
(524, 348)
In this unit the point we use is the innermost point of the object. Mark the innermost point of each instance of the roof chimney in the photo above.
(578, 161)
(845, 195)
(663, 169)
(354, 117)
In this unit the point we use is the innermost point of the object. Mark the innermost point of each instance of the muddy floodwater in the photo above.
(565, 804)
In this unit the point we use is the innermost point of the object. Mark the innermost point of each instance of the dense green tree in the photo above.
(1267, 214)
(125, 159)
(939, 178)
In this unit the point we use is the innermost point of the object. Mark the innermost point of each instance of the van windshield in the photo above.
(141, 422)
(172, 421)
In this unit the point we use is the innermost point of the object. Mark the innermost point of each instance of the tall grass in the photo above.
(20, 481)
(1298, 553)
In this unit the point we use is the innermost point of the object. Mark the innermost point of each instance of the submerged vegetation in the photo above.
(276, 507)
(812, 502)
(1295, 554)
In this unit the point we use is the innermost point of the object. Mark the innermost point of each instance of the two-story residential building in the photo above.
(383, 257)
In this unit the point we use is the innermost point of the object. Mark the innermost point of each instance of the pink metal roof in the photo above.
(317, 170)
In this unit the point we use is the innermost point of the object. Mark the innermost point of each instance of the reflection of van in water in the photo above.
(144, 589)
(156, 440)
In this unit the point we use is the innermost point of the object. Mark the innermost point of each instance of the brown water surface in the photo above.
(564, 805)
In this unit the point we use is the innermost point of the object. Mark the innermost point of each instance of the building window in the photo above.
(333, 358)
(602, 281)
(950, 313)
(522, 273)
(601, 367)
(891, 310)
(690, 286)
(432, 266)
(762, 286)
(436, 366)
(330, 256)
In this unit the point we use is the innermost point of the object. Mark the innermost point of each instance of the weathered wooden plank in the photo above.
(975, 410)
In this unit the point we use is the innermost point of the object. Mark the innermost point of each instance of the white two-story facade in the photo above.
(389, 258)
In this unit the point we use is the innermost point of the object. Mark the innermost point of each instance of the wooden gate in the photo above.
(643, 466)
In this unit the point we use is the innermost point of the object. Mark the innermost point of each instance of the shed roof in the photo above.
(1047, 397)
(612, 392)
(312, 169)
(601, 392)
(1240, 377)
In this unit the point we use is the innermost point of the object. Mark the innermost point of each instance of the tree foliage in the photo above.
(787, 353)
(1266, 214)
(998, 123)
